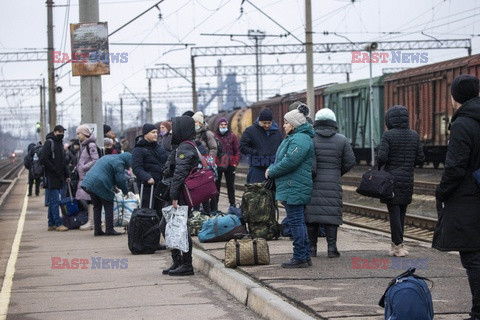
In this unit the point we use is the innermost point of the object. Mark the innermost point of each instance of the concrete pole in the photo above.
(219, 85)
(309, 52)
(91, 86)
(44, 124)
(194, 85)
(149, 109)
(52, 104)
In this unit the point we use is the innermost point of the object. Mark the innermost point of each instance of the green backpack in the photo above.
(260, 211)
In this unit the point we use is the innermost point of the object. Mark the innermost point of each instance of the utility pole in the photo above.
(309, 51)
(258, 37)
(194, 85)
(219, 85)
(91, 86)
(149, 108)
(52, 104)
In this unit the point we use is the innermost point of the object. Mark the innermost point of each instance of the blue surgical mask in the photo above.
(197, 128)
(223, 130)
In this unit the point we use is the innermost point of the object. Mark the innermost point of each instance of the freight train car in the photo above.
(351, 104)
(425, 92)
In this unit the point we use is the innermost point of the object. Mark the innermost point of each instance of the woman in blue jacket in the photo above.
(107, 173)
(292, 172)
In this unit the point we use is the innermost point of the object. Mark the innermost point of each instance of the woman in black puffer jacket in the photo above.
(399, 152)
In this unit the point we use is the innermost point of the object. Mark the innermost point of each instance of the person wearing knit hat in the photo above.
(84, 129)
(333, 158)
(464, 87)
(148, 161)
(292, 172)
(325, 114)
(259, 143)
(108, 133)
(88, 155)
(265, 115)
(147, 127)
(457, 195)
(165, 136)
(198, 117)
(204, 135)
(298, 116)
(108, 145)
(226, 162)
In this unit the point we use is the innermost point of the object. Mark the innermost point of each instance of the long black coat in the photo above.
(55, 167)
(400, 151)
(333, 158)
(458, 227)
(260, 145)
(148, 161)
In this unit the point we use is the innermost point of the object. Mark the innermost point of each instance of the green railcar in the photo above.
(351, 104)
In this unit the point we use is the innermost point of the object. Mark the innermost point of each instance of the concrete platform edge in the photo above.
(258, 298)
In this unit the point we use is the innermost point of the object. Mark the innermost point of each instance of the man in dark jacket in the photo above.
(458, 194)
(52, 158)
(399, 151)
(148, 163)
(260, 142)
(181, 161)
(28, 161)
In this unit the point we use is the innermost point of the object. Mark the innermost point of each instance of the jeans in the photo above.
(53, 198)
(256, 174)
(301, 246)
(471, 262)
(397, 221)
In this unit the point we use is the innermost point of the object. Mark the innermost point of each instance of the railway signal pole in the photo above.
(370, 48)
(52, 104)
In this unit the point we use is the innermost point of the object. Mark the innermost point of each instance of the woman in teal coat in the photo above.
(292, 172)
(100, 181)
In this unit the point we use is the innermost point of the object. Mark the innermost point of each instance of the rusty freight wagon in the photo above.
(425, 92)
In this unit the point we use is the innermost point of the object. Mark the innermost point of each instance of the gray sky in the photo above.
(23, 25)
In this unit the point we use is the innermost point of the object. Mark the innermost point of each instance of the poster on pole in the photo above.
(90, 55)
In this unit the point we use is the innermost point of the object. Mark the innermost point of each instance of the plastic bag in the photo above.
(176, 231)
(122, 209)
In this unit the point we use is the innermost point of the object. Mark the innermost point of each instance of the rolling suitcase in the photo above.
(69, 205)
(144, 229)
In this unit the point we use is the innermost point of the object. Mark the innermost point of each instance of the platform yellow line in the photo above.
(12, 260)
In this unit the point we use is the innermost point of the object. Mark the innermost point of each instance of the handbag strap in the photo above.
(237, 249)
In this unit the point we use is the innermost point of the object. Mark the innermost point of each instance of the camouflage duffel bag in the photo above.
(196, 221)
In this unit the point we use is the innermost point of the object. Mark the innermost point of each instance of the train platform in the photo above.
(39, 286)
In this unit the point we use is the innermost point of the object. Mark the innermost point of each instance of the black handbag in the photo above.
(377, 184)
(162, 190)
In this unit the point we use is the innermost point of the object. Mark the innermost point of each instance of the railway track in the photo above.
(416, 227)
(419, 187)
(9, 173)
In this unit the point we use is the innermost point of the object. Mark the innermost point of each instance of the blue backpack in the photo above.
(407, 297)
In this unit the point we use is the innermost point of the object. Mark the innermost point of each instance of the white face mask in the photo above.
(223, 130)
(197, 128)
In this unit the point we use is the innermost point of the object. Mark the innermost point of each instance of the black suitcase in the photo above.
(144, 229)
(74, 222)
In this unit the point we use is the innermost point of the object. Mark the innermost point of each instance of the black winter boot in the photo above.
(312, 231)
(177, 261)
(331, 232)
(186, 269)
